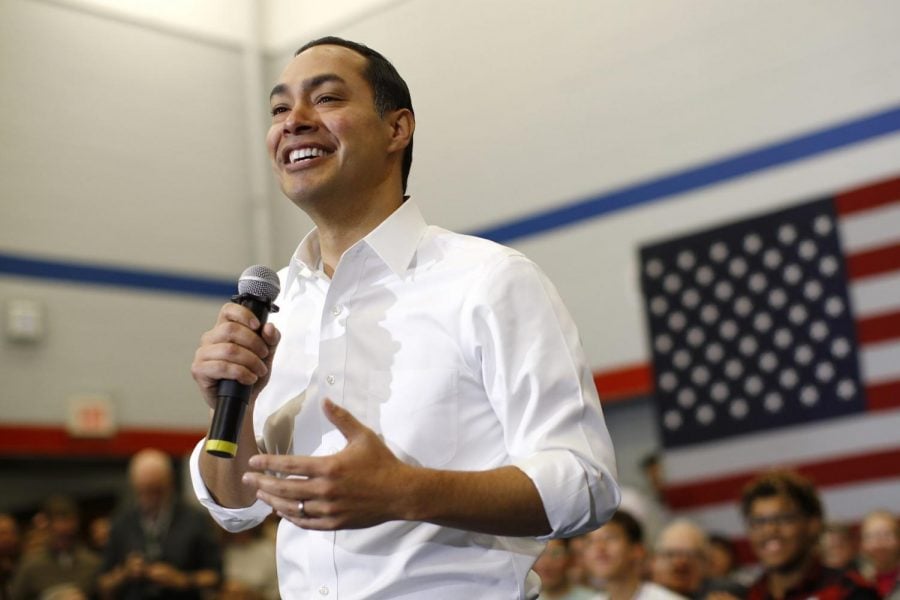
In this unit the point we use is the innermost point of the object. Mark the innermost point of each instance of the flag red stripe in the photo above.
(883, 396)
(31, 440)
(873, 262)
(868, 197)
(624, 383)
(878, 328)
(827, 473)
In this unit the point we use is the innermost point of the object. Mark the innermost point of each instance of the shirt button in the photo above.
(336, 310)
(323, 590)
(330, 379)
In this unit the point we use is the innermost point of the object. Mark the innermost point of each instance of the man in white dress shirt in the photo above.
(428, 419)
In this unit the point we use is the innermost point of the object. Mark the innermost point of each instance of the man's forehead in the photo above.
(681, 536)
(773, 503)
(880, 521)
(608, 530)
(328, 57)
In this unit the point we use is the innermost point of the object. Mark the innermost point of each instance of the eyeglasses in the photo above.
(779, 520)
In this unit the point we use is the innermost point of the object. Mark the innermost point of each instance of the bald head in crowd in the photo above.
(880, 548)
(152, 480)
(680, 558)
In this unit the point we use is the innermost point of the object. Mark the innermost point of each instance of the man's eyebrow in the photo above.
(308, 84)
(278, 90)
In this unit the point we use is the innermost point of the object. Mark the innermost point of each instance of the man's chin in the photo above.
(787, 565)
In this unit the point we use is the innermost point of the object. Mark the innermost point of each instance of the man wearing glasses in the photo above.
(784, 517)
(680, 559)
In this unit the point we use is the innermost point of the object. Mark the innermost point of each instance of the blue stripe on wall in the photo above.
(111, 276)
(787, 151)
(731, 167)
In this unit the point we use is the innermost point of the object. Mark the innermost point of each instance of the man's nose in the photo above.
(300, 120)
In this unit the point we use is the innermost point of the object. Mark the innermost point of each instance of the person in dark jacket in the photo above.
(159, 547)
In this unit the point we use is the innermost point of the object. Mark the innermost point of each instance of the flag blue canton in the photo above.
(751, 326)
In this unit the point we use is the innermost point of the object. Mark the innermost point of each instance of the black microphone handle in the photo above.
(233, 396)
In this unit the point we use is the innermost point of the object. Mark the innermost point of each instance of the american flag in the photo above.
(776, 342)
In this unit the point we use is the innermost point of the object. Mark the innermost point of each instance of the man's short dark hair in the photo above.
(390, 90)
(786, 484)
(631, 526)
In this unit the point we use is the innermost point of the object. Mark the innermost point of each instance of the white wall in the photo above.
(224, 21)
(123, 146)
(126, 142)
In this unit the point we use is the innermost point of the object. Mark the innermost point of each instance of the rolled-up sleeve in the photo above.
(537, 379)
(230, 519)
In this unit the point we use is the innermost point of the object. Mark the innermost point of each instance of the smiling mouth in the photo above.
(302, 154)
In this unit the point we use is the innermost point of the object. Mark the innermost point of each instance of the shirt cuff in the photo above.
(231, 519)
(576, 498)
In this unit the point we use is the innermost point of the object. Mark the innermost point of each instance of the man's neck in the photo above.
(780, 582)
(340, 229)
(624, 588)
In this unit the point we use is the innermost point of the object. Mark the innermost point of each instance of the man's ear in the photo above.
(403, 125)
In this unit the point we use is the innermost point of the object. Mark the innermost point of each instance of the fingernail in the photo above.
(254, 324)
(255, 461)
(247, 478)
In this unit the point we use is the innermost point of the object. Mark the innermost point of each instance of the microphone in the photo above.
(257, 289)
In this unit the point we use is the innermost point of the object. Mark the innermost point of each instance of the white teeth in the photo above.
(307, 152)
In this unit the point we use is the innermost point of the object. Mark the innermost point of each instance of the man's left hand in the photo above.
(360, 486)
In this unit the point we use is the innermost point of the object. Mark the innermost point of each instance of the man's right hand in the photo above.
(232, 349)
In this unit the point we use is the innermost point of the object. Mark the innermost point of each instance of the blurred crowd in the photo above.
(796, 554)
(154, 547)
(158, 547)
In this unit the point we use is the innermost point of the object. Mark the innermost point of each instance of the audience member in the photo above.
(838, 547)
(680, 559)
(576, 573)
(160, 547)
(724, 579)
(784, 520)
(9, 552)
(553, 568)
(880, 550)
(36, 535)
(615, 554)
(248, 559)
(63, 559)
(722, 557)
(98, 534)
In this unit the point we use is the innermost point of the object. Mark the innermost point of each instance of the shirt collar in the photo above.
(394, 240)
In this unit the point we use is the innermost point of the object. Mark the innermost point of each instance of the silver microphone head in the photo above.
(259, 281)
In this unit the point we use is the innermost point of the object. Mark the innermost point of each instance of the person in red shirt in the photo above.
(783, 514)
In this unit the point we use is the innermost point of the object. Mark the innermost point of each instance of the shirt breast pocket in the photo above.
(417, 411)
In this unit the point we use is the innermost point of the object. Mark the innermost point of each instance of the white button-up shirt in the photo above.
(461, 355)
